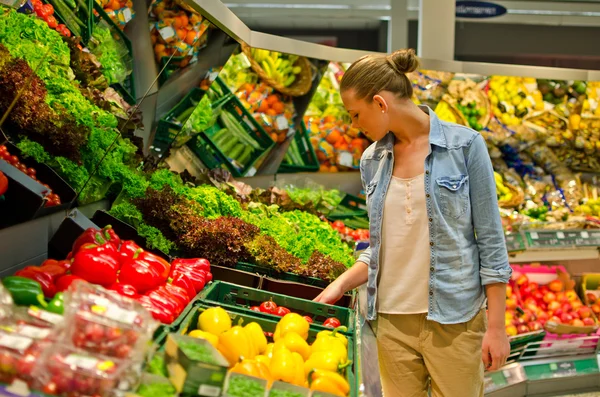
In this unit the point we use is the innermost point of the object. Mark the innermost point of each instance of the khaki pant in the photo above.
(414, 351)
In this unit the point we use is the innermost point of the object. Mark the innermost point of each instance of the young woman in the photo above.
(437, 247)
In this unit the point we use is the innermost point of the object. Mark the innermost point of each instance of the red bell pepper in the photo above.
(178, 293)
(195, 263)
(127, 250)
(184, 281)
(125, 290)
(197, 277)
(145, 271)
(89, 236)
(96, 264)
(63, 283)
(159, 311)
(45, 280)
(65, 264)
(3, 183)
(110, 236)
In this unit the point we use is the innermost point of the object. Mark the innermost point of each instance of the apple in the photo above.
(511, 330)
(522, 329)
(528, 290)
(538, 296)
(522, 280)
(591, 298)
(519, 321)
(558, 312)
(566, 318)
(543, 306)
(549, 297)
(534, 326)
(577, 323)
(553, 305)
(595, 308)
(575, 315)
(584, 312)
(576, 305)
(588, 321)
(544, 289)
(509, 291)
(567, 307)
(543, 317)
(556, 285)
(511, 303)
(554, 319)
(571, 295)
(527, 316)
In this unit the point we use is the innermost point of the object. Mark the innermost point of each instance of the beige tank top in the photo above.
(404, 263)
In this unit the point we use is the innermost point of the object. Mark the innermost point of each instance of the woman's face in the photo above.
(370, 117)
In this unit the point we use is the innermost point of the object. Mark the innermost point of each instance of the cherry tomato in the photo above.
(309, 319)
(49, 9)
(45, 11)
(14, 160)
(255, 309)
(332, 322)
(282, 311)
(39, 9)
(268, 307)
(338, 225)
(51, 21)
(31, 172)
(22, 167)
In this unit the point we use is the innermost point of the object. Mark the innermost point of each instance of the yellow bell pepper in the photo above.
(236, 345)
(335, 334)
(286, 365)
(330, 344)
(299, 375)
(328, 382)
(258, 336)
(269, 350)
(328, 361)
(291, 322)
(295, 343)
(253, 368)
(211, 338)
(263, 359)
(214, 320)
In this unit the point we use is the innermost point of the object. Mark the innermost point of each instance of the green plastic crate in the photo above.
(254, 130)
(239, 299)
(127, 88)
(350, 206)
(84, 17)
(307, 152)
(268, 325)
(248, 267)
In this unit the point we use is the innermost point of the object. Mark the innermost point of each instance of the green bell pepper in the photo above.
(56, 305)
(24, 291)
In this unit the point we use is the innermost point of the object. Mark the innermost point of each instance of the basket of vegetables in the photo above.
(287, 73)
(74, 14)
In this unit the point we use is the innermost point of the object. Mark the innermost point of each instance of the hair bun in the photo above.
(403, 61)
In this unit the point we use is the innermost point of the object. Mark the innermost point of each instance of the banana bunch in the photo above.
(504, 193)
(280, 67)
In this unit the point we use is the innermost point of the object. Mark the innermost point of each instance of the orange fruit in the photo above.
(271, 112)
(333, 137)
(184, 62)
(278, 107)
(324, 168)
(273, 136)
(281, 138)
(184, 20)
(264, 106)
(333, 168)
(272, 99)
(190, 37)
(181, 33)
(159, 48)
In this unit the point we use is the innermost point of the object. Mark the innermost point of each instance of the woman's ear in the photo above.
(381, 103)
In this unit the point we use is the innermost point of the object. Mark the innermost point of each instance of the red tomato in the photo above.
(268, 307)
(255, 309)
(51, 21)
(338, 225)
(282, 311)
(332, 323)
(49, 9)
(309, 319)
(14, 160)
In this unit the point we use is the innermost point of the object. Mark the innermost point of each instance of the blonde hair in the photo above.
(372, 74)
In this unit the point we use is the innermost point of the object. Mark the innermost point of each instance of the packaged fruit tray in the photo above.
(190, 323)
(238, 138)
(548, 298)
(252, 301)
(301, 156)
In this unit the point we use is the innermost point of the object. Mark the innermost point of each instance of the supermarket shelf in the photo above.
(556, 255)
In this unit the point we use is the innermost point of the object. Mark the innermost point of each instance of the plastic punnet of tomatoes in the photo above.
(103, 322)
(67, 371)
(19, 353)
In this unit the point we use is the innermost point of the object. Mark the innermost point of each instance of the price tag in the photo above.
(585, 234)
(534, 235)
(51, 318)
(251, 172)
(565, 368)
(34, 332)
(121, 315)
(212, 76)
(560, 235)
(167, 33)
(345, 159)
(79, 361)
(127, 14)
(15, 342)
(249, 123)
(208, 390)
(281, 123)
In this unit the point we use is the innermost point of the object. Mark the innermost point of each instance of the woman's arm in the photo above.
(355, 276)
(494, 270)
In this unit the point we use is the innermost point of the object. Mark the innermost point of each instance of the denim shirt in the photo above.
(461, 199)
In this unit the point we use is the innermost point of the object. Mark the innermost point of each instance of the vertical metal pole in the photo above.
(398, 25)
(436, 29)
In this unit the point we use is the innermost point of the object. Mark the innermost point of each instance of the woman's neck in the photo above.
(409, 123)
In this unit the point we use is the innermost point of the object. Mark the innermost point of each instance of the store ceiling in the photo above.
(361, 14)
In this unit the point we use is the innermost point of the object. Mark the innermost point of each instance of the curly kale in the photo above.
(323, 267)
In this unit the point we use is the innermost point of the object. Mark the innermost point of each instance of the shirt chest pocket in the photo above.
(453, 195)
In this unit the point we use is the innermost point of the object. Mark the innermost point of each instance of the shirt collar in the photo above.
(436, 136)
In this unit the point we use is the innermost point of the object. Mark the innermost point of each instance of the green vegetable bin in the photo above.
(236, 298)
(75, 15)
(127, 88)
(351, 206)
(250, 126)
(305, 150)
(248, 267)
(268, 325)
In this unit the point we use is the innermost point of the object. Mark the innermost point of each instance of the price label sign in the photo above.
(514, 242)
(565, 368)
(588, 238)
(551, 239)
(495, 381)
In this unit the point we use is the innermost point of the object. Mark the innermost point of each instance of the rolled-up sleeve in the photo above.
(493, 257)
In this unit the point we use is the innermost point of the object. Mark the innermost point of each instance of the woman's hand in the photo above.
(331, 294)
(495, 348)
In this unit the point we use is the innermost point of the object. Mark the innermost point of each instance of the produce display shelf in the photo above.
(268, 325)
(237, 298)
(307, 152)
(84, 17)
(286, 276)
